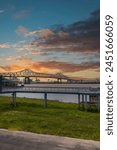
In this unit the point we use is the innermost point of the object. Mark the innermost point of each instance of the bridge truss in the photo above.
(30, 73)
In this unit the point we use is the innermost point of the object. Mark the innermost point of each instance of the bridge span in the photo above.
(28, 73)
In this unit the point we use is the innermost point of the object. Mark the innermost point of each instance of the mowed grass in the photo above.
(63, 119)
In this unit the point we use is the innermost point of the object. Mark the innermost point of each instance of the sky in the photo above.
(51, 36)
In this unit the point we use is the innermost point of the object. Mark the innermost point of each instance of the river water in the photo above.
(60, 97)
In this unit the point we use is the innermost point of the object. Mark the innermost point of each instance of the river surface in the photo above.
(60, 97)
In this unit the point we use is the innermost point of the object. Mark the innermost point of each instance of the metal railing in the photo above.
(52, 89)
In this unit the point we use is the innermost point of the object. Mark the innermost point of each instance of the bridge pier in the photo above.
(59, 80)
(85, 102)
(14, 99)
(78, 101)
(27, 80)
(45, 100)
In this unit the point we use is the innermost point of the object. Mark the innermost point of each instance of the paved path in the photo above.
(15, 140)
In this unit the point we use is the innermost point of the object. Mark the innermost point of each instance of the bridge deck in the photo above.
(59, 90)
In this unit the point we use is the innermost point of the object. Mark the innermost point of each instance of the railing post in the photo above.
(45, 100)
(0, 83)
(14, 99)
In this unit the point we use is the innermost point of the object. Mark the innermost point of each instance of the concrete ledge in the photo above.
(16, 140)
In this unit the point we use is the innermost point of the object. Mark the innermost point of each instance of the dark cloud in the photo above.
(66, 67)
(82, 36)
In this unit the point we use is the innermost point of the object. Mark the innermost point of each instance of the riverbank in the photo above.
(63, 119)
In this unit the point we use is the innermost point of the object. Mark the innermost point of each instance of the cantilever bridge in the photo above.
(28, 73)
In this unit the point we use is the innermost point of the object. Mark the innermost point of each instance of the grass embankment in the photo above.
(59, 118)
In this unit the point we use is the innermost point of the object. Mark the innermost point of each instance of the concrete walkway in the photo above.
(16, 140)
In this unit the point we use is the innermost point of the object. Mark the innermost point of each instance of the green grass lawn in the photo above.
(58, 118)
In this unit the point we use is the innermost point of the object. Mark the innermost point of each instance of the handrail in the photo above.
(53, 89)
